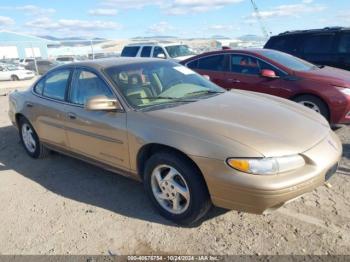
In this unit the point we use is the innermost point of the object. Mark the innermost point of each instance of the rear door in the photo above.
(343, 50)
(146, 51)
(245, 74)
(48, 109)
(213, 66)
(99, 135)
(320, 49)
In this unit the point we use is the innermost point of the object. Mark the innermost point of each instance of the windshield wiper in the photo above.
(205, 92)
(175, 99)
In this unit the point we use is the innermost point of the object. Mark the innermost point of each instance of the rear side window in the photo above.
(193, 64)
(287, 44)
(146, 51)
(318, 44)
(56, 84)
(344, 43)
(212, 63)
(130, 51)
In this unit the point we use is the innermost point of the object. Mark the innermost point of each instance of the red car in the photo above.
(323, 89)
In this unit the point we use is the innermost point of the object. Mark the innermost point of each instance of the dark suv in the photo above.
(329, 46)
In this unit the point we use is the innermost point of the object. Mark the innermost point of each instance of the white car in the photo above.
(26, 61)
(173, 51)
(66, 59)
(14, 73)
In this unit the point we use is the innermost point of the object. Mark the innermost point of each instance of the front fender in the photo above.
(144, 130)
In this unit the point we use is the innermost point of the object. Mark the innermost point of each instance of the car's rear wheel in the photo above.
(14, 78)
(313, 103)
(30, 140)
(176, 188)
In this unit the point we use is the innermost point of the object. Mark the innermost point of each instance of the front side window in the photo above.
(243, 64)
(56, 84)
(87, 85)
(158, 83)
(213, 63)
(344, 44)
(130, 51)
(318, 44)
(146, 51)
(158, 52)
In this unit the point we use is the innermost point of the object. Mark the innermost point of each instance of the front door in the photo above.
(99, 135)
(245, 74)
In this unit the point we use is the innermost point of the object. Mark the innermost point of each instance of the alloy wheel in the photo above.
(311, 105)
(28, 138)
(170, 189)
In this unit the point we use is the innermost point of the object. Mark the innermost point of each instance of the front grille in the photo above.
(331, 171)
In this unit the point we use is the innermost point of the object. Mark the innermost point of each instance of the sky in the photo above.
(121, 19)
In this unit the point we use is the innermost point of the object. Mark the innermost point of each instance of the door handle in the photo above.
(231, 80)
(29, 105)
(72, 116)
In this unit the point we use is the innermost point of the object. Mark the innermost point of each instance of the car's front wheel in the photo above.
(313, 103)
(14, 78)
(176, 188)
(30, 140)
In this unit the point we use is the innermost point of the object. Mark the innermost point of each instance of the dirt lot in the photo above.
(60, 205)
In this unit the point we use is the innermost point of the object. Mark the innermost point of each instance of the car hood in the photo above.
(182, 58)
(333, 76)
(270, 125)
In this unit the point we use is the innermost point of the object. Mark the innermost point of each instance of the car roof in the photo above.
(109, 62)
(153, 44)
(312, 31)
(253, 51)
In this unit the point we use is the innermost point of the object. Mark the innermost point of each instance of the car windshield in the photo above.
(179, 50)
(289, 61)
(156, 83)
(12, 68)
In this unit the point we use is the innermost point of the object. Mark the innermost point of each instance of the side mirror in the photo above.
(161, 55)
(102, 103)
(206, 77)
(269, 74)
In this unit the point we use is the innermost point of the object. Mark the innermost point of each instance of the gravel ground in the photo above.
(60, 205)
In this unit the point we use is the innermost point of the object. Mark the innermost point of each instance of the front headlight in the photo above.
(266, 166)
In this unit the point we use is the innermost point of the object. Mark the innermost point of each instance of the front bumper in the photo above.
(232, 189)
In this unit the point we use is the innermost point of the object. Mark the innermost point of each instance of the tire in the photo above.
(187, 177)
(36, 149)
(314, 103)
(14, 78)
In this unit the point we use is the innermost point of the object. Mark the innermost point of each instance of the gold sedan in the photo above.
(190, 142)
